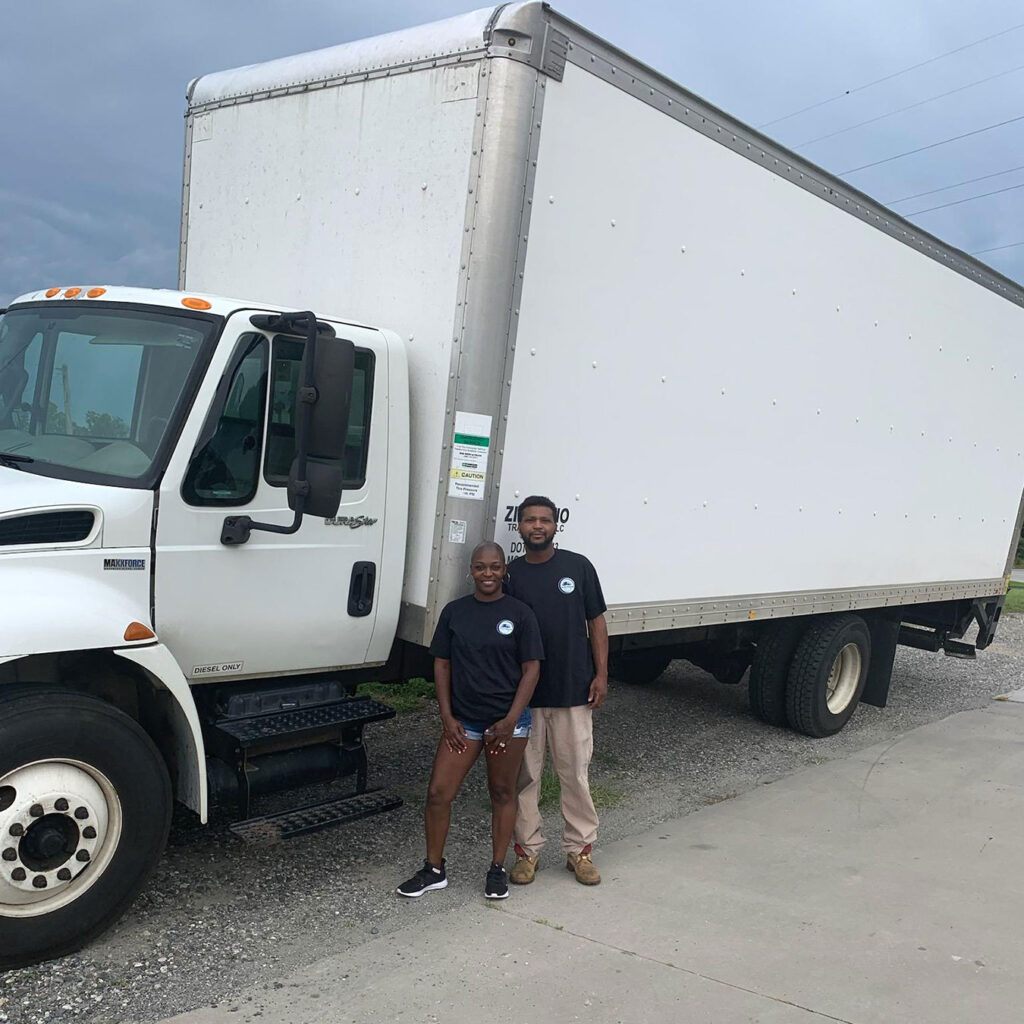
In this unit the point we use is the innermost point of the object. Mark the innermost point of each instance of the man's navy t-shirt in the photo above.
(564, 592)
(487, 643)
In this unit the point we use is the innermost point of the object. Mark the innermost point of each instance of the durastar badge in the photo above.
(352, 522)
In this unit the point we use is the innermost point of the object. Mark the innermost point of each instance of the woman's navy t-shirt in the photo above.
(486, 642)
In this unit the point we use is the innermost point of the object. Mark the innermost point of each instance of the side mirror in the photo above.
(321, 425)
(324, 406)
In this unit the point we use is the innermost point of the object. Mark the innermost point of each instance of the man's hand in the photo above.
(598, 691)
(454, 735)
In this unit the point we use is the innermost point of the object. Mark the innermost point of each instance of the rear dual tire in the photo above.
(810, 675)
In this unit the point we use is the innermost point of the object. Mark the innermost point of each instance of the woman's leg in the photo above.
(502, 772)
(447, 775)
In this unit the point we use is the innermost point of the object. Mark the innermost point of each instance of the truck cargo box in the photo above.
(752, 390)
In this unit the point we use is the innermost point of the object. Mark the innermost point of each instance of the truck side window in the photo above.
(225, 468)
(285, 372)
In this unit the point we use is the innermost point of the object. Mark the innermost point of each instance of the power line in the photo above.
(996, 248)
(912, 106)
(946, 188)
(895, 74)
(921, 149)
(969, 199)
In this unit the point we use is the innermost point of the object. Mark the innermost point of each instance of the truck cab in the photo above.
(164, 558)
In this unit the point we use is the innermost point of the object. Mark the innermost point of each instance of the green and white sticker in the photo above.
(470, 449)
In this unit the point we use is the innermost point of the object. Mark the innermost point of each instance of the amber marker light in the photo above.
(192, 303)
(137, 631)
(95, 293)
(72, 292)
(50, 292)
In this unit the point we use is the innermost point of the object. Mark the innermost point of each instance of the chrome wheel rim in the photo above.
(843, 679)
(60, 824)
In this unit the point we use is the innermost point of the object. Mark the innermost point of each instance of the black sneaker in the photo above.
(496, 886)
(428, 877)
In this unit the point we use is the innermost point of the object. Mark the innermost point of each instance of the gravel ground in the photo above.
(220, 915)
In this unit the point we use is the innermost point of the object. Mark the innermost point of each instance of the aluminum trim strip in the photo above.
(666, 615)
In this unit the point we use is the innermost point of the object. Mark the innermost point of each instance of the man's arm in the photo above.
(598, 629)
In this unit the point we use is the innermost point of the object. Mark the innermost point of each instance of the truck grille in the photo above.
(47, 527)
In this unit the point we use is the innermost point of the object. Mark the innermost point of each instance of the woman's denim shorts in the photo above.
(475, 730)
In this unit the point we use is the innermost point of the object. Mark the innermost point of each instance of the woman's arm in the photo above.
(454, 734)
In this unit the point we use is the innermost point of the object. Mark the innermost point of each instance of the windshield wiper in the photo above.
(14, 461)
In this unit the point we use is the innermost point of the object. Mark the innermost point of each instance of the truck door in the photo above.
(278, 603)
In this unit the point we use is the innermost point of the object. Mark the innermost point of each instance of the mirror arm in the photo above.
(237, 529)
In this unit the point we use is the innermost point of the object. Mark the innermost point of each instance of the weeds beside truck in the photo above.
(780, 419)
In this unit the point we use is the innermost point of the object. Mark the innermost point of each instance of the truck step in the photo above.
(324, 718)
(274, 828)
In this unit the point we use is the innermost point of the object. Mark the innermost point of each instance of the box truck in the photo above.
(486, 258)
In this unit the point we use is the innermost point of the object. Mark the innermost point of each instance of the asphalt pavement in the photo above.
(877, 887)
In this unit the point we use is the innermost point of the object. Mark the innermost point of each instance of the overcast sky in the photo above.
(93, 96)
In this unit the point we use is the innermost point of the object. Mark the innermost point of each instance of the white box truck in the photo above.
(784, 423)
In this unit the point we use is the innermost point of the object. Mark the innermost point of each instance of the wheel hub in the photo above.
(60, 818)
(843, 679)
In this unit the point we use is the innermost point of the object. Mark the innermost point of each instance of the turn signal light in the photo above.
(137, 631)
(95, 293)
(72, 292)
(50, 292)
(192, 303)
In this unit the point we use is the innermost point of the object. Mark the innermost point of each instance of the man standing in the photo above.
(564, 592)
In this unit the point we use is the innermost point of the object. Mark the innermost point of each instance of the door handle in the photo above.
(360, 591)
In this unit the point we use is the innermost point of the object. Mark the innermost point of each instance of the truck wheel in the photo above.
(827, 675)
(85, 808)
(640, 667)
(769, 671)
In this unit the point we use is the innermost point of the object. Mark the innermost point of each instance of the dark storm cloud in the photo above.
(93, 97)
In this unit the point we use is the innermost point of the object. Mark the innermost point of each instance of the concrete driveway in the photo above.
(884, 886)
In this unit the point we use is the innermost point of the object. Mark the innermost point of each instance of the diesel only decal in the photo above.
(124, 564)
(222, 668)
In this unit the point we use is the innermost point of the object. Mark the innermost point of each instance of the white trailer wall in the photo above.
(350, 200)
(737, 389)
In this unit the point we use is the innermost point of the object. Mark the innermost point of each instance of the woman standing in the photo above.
(487, 652)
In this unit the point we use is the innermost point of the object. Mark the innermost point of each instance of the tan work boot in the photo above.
(524, 869)
(582, 867)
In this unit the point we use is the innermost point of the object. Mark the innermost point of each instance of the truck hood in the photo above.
(71, 582)
(123, 515)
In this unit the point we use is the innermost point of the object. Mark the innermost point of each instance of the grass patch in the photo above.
(412, 695)
(550, 789)
(605, 796)
(1014, 599)
(551, 792)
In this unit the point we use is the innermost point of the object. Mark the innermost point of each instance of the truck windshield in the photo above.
(90, 392)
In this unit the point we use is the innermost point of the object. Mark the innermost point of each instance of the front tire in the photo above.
(827, 675)
(85, 808)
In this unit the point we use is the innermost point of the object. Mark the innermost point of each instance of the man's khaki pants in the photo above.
(569, 734)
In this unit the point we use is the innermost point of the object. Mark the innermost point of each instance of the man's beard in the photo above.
(534, 545)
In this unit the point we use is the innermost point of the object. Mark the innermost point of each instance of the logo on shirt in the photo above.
(505, 627)
(566, 585)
